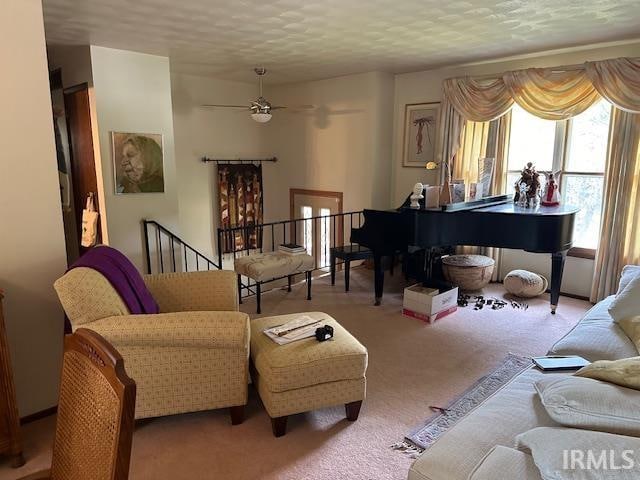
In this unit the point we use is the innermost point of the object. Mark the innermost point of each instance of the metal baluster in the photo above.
(334, 244)
(197, 264)
(273, 239)
(295, 232)
(173, 254)
(160, 250)
(186, 260)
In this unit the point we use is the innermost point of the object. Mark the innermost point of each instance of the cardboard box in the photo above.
(429, 304)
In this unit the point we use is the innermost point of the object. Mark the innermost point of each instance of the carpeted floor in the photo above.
(411, 366)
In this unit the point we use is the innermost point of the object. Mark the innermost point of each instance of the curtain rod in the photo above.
(239, 160)
(560, 69)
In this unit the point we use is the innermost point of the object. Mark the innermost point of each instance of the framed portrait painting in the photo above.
(138, 162)
(420, 121)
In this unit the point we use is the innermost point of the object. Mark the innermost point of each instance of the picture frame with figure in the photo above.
(420, 126)
(138, 162)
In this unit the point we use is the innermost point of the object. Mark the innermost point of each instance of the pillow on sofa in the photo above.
(628, 272)
(625, 310)
(627, 302)
(624, 372)
(592, 405)
(565, 454)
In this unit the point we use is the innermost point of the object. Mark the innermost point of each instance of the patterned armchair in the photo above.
(191, 356)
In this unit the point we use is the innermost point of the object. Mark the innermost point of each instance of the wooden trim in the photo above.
(573, 295)
(39, 415)
(317, 193)
(314, 193)
(579, 252)
(76, 88)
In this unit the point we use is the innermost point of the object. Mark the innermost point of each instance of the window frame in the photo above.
(560, 156)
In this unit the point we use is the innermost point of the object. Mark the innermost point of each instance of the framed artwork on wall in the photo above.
(420, 121)
(138, 162)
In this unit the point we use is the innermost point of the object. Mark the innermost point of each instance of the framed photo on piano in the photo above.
(420, 122)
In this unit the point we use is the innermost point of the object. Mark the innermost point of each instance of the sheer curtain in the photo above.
(559, 95)
(479, 140)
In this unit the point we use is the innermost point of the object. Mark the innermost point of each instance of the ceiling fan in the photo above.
(261, 107)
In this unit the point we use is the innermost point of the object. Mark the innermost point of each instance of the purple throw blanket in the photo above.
(123, 276)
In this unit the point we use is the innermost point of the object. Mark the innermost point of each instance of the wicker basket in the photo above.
(468, 272)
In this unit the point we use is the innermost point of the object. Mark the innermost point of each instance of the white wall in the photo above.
(32, 250)
(426, 86)
(215, 133)
(133, 94)
(343, 145)
(74, 62)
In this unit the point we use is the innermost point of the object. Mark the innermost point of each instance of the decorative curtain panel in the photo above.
(450, 130)
(240, 202)
(485, 139)
(620, 230)
(559, 95)
(618, 81)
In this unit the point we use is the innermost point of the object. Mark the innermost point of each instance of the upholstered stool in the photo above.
(525, 284)
(307, 374)
(265, 267)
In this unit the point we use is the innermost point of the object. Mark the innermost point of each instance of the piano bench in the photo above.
(347, 254)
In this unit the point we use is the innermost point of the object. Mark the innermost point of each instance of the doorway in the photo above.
(76, 159)
(322, 227)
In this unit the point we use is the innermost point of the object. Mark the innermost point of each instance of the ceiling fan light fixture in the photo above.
(261, 117)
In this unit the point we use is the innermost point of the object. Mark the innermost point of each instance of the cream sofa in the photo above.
(481, 446)
(193, 355)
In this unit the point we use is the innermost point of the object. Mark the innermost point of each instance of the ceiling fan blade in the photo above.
(225, 106)
(277, 108)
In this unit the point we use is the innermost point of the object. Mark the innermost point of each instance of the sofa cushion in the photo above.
(591, 404)
(596, 337)
(306, 362)
(624, 372)
(513, 409)
(506, 463)
(628, 272)
(267, 266)
(561, 454)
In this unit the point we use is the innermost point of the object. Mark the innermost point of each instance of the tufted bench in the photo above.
(307, 374)
(265, 267)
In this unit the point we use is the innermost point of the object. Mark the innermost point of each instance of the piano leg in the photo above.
(379, 277)
(557, 267)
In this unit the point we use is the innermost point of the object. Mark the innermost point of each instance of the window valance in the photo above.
(547, 93)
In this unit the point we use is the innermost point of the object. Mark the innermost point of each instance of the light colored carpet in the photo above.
(411, 366)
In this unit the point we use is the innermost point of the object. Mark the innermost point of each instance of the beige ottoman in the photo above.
(307, 374)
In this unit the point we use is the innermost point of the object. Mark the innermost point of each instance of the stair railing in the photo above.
(170, 253)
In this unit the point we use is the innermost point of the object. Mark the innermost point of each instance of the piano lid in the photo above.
(512, 208)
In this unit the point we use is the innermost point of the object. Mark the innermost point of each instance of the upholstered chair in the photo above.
(191, 356)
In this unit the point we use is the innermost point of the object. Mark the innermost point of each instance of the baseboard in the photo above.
(562, 294)
(39, 415)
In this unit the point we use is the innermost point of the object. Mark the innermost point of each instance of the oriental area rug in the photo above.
(425, 435)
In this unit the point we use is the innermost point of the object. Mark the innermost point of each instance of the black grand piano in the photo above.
(490, 222)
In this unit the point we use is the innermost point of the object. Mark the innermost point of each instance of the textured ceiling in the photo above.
(310, 39)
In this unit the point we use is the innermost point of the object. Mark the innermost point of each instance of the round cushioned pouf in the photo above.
(522, 283)
(469, 272)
